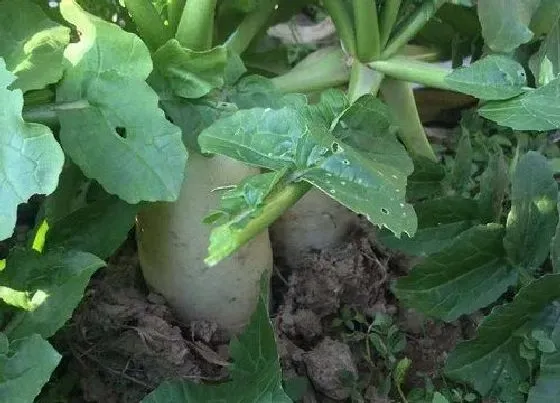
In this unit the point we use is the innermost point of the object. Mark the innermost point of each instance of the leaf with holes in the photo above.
(31, 44)
(30, 158)
(116, 133)
(370, 180)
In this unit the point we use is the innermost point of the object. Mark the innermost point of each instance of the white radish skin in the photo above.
(173, 242)
(315, 222)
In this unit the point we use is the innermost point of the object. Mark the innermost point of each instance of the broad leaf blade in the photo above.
(30, 158)
(255, 373)
(369, 181)
(493, 186)
(469, 274)
(535, 110)
(533, 216)
(120, 138)
(491, 361)
(549, 52)
(493, 78)
(505, 23)
(57, 280)
(25, 368)
(191, 74)
(31, 44)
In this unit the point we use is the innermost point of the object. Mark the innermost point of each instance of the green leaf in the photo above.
(255, 373)
(99, 228)
(189, 73)
(555, 248)
(56, 280)
(491, 361)
(30, 158)
(468, 275)
(439, 398)
(439, 222)
(369, 181)
(462, 166)
(426, 181)
(31, 44)
(493, 186)
(505, 23)
(532, 220)
(493, 78)
(548, 55)
(535, 110)
(547, 387)
(25, 368)
(120, 137)
(259, 92)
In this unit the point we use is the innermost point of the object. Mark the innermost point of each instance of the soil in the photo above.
(122, 341)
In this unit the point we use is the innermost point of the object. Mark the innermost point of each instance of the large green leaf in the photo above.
(56, 281)
(493, 78)
(367, 175)
(505, 23)
(98, 228)
(255, 373)
(469, 274)
(545, 64)
(535, 110)
(547, 387)
(119, 137)
(30, 158)
(25, 368)
(191, 74)
(532, 220)
(491, 361)
(439, 222)
(31, 44)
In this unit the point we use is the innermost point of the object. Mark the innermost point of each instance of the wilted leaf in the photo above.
(119, 137)
(532, 220)
(25, 368)
(469, 274)
(31, 44)
(30, 158)
(491, 362)
(56, 280)
(493, 78)
(255, 373)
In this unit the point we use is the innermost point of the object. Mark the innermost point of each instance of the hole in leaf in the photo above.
(121, 131)
(384, 211)
(335, 147)
(346, 162)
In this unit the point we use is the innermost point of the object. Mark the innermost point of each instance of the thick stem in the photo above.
(411, 27)
(367, 30)
(363, 80)
(174, 11)
(46, 114)
(400, 98)
(322, 69)
(250, 26)
(173, 242)
(343, 24)
(389, 16)
(149, 23)
(413, 71)
(196, 27)
(274, 207)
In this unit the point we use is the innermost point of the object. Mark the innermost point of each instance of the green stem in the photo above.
(414, 71)
(196, 27)
(174, 10)
(363, 80)
(367, 30)
(273, 208)
(343, 24)
(150, 25)
(47, 114)
(322, 69)
(400, 98)
(410, 28)
(251, 25)
(388, 19)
